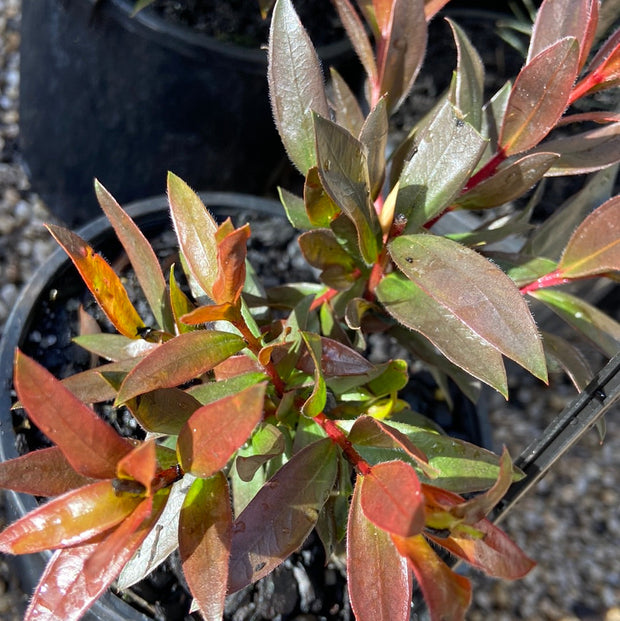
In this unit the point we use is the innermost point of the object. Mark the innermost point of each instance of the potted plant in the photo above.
(264, 419)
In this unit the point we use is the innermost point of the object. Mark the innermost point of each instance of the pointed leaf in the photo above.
(101, 280)
(70, 519)
(511, 181)
(224, 426)
(346, 107)
(539, 96)
(391, 498)
(373, 136)
(267, 442)
(594, 247)
(141, 256)
(163, 410)
(336, 360)
(195, 229)
(446, 593)
(379, 579)
(467, 93)
(90, 445)
(475, 291)
(179, 360)
(45, 472)
(282, 514)
(212, 391)
(601, 329)
(318, 204)
(412, 307)
(140, 465)
(295, 85)
(570, 359)
(205, 529)
(344, 174)
(443, 160)
(231, 253)
(605, 66)
(295, 209)
(114, 346)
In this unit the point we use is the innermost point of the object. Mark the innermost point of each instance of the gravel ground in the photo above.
(570, 525)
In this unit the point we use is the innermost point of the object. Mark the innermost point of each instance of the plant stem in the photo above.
(486, 171)
(548, 280)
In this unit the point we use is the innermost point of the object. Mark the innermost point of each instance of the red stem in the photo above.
(548, 280)
(585, 85)
(487, 170)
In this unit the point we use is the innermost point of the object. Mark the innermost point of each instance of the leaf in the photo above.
(374, 136)
(412, 307)
(346, 108)
(295, 85)
(336, 360)
(69, 519)
(594, 247)
(446, 593)
(391, 498)
(446, 155)
(315, 403)
(295, 209)
(322, 250)
(572, 361)
(45, 472)
(140, 465)
(282, 514)
(180, 304)
(378, 578)
(179, 360)
(601, 329)
(101, 280)
(163, 410)
(231, 254)
(467, 90)
(195, 229)
(267, 442)
(205, 531)
(471, 288)
(224, 426)
(585, 152)
(89, 444)
(319, 206)
(114, 346)
(539, 96)
(511, 181)
(605, 66)
(141, 256)
(343, 171)
(212, 391)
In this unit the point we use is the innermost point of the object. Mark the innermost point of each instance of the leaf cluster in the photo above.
(263, 417)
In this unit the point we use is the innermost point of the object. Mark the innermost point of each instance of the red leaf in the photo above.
(231, 253)
(77, 576)
(391, 498)
(102, 281)
(337, 360)
(140, 465)
(235, 366)
(70, 519)
(223, 426)
(91, 446)
(211, 312)
(379, 579)
(205, 531)
(446, 593)
(41, 473)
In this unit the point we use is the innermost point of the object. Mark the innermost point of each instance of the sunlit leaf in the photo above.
(267, 442)
(231, 253)
(140, 465)
(180, 304)
(446, 593)
(439, 166)
(195, 229)
(45, 472)
(315, 403)
(68, 520)
(224, 426)
(346, 107)
(179, 360)
(295, 209)
(205, 529)
(280, 517)
(296, 85)
(114, 346)
(163, 410)
(141, 255)
(101, 280)
(336, 360)
(379, 580)
(539, 96)
(594, 247)
(89, 444)
(474, 290)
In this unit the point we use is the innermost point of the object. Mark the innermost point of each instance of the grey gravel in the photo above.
(570, 525)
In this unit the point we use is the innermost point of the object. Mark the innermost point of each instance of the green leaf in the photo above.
(412, 307)
(141, 256)
(282, 514)
(601, 329)
(267, 442)
(114, 346)
(512, 180)
(195, 229)
(295, 209)
(89, 444)
(212, 391)
(224, 426)
(379, 580)
(594, 247)
(295, 85)
(467, 90)
(315, 403)
(45, 472)
(343, 170)
(471, 288)
(101, 280)
(321, 249)
(443, 160)
(539, 96)
(163, 410)
(179, 360)
(180, 304)
(346, 107)
(205, 531)
(569, 358)
(373, 136)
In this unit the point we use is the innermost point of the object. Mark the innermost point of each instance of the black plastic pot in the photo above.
(124, 99)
